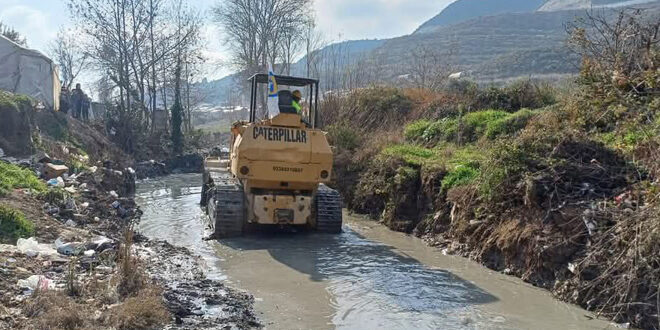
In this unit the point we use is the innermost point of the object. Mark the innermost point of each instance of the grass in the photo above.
(15, 101)
(144, 311)
(54, 310)
(473, 126)
(13, 177)
(509, 124)
(411, 154)
(415, 130)
(460, 176)
(14, 225)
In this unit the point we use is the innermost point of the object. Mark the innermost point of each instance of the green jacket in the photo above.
(296, 106)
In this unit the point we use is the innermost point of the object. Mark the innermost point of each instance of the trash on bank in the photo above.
(36, 281)
(32, 248)
(52, 171)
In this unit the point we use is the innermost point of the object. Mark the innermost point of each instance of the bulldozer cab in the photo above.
(308, 87)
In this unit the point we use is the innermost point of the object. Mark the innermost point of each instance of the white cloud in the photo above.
(34, 24)
(368, 19)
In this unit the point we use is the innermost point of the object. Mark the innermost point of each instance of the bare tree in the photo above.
(429, 67)
(69, 56)
(262, 31)
(135, 44)
(314, 42)
(622, 46)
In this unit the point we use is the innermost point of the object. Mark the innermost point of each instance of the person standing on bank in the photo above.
(77, 100)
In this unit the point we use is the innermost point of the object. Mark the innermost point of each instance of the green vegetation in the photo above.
(343, 136)
(461, 175)
(473, 126)
(14, 101)
(415, 130)
(411, 154)
(14, 225)
(13, 177)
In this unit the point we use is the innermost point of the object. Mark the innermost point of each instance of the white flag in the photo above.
(273, 100)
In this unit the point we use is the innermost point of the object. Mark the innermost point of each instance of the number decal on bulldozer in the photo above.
(280, 134)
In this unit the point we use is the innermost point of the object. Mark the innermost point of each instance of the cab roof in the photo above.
(262, 78)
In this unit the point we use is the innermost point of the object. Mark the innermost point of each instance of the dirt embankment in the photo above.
(68, 257)
(527, 192)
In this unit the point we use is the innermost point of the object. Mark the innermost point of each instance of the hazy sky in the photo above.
(39, 20)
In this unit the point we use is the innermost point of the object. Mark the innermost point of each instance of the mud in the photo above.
(367, 277)
(196, 301)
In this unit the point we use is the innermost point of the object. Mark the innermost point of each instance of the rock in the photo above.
(103, 269)
(190, 163)
(52, 210)
(9, 248)
(52, 171)
(16, 129)
(70, 204)
(41, 157)
(150, 169)
(70, 223)
(115, 195)
(122, 183)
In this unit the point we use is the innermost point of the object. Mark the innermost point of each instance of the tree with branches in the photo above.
(69, 56)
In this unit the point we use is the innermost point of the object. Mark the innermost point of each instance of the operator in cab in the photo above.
(297, 96)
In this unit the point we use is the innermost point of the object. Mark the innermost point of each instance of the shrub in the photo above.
(14, 225)
(144, 311)
(518, 95)
(442, 130)
(54, 310)
(12, 177)
(510, 124)
(343, 137)
(415, 130)
(461, 175)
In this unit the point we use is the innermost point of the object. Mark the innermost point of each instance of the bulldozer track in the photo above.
(226, 208)
(328, 206)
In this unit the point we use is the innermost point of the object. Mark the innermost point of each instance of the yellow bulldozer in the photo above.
(276, 171)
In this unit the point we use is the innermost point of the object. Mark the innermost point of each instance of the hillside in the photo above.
(493, 43)
(554, 5)
(222, 91)
(463, 10)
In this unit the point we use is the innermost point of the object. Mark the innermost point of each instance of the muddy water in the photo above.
(366, 278)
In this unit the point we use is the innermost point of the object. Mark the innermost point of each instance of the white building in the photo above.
(29, 72)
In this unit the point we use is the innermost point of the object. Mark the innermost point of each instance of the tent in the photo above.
(29, 72)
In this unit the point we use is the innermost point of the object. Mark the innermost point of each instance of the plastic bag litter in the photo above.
(37, 281)
(32, 248)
